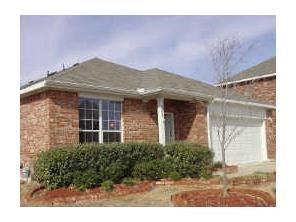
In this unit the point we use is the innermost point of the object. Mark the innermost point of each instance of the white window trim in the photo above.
(101, 131)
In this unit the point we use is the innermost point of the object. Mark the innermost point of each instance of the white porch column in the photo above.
(160, 115)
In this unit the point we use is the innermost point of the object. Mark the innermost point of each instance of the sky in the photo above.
(179, 44)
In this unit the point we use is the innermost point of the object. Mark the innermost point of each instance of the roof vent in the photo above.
(76, 64)
(140, 90)
(52, 73)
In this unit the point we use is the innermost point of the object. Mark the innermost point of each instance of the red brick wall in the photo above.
(264, 90)
(63, 118)
(271, 134)
(47, 119)
(34, 125)
(140, 120)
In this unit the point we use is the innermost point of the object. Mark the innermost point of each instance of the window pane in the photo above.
(81, 103)
(118, 106)
(111, 125)
(110, 137)
(88, 104)
(111, 115)
(88, 137)
(96, 125)
(104, 115)
(95, 114)
(88, 125)
(95, 137)
(111, 106)
(95, 104)
(105, 125)
(82, 124)
(88, 114)
(104, 105)
(81, 137)
(117, 116)
(81, 114)
(117, 125)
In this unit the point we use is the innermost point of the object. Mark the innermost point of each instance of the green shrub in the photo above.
(54, 168)
(128, 181)
(190, 159)
(107, 185)
(217, 165)
(86, 179)
(152, 170)
(175, 176)
(115, 172)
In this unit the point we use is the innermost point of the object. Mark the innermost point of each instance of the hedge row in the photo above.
(88, 165)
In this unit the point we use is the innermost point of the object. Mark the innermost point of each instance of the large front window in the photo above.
(99, 120)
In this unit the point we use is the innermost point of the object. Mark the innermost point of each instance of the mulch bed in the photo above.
(214, 198)
(70, 195)
(250, 180)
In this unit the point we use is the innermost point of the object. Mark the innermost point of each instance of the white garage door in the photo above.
(247, 143)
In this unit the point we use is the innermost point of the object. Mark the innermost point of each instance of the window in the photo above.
(111, 120)
(99, 120)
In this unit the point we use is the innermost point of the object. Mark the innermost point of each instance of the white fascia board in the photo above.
(247, 79)
(100, 96)
(245, 103)
(34, 87)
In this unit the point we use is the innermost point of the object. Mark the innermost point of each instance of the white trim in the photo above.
(247, 79)
(35, 86)
(99, 96)
(210, 145)
(264, 143)
(160, 118)
(101, 122)
(245, 103)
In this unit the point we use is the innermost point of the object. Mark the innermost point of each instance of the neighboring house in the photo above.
(99, 101)
(259, 82)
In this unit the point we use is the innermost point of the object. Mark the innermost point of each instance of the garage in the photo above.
(245, 133)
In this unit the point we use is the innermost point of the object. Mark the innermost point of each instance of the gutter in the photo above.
(262, 105)
(246, 80)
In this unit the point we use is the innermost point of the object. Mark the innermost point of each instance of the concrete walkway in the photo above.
(249, 168)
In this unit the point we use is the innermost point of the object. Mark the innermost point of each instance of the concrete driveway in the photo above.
(249, 168)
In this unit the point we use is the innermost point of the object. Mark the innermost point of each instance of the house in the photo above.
(259, 82)
(99, 101)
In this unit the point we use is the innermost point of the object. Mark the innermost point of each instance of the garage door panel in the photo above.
(246, 140)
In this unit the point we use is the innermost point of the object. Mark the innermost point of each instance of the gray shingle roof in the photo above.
(263, 68)
(100, 73)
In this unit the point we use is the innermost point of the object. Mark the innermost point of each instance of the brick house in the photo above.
(99, 101)
(259, 82)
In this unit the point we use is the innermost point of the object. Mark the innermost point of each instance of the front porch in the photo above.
(165, 120)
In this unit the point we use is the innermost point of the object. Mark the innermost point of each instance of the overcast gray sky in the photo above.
(174, 43)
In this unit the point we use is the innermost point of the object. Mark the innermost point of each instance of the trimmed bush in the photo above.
(61, 167)
(56, 167)
(128, 181)
(107, 185)
(86, 179)
(175, 176)
(152, 170)
(189, 159)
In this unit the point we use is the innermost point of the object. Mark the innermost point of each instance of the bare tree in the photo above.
(226, 55)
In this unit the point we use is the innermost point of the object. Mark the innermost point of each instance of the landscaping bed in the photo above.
(214, 198)
(70, 195)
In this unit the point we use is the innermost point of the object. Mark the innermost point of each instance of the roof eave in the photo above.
(246, 79)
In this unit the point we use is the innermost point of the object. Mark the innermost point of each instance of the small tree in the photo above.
(226, 55)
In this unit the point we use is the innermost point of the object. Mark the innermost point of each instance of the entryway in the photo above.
(169, 128)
